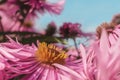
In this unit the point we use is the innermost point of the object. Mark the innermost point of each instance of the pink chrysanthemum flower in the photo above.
(70, 30)
(47, 62)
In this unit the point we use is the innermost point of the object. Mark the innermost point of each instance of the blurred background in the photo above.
(90, 13)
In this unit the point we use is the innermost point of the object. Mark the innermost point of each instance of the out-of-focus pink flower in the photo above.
(42, 6)
(9, 24)
(102, 60)
(6, 23)
(108, 59)
(25, 9)
(43, 63)
(114, 35)
(70, 30)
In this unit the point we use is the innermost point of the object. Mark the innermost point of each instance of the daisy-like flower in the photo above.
(45, 62)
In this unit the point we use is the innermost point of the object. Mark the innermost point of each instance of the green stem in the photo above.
(75, 43)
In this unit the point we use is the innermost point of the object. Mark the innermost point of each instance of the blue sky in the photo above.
(90, 13)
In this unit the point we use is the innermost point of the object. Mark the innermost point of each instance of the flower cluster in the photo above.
(48, 61)
(28, 54)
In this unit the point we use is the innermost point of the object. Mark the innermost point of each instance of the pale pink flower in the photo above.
(108, 59)
(102, 60)
(114, 35)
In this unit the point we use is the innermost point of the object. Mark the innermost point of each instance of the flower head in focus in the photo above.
(34, 62)
(70, 30)
(49, 54)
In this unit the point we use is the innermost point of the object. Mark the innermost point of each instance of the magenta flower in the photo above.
(43, 63)
(70, 30)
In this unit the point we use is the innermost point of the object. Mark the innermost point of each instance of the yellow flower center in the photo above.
(50, 54)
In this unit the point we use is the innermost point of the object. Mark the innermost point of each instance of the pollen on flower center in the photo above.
(49, 54)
